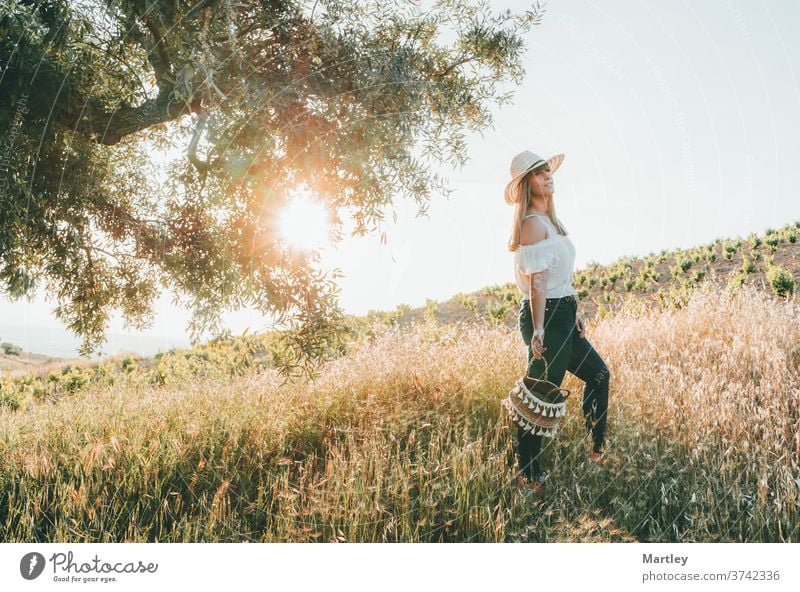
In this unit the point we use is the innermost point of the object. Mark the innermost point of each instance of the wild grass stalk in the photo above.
(404, 440)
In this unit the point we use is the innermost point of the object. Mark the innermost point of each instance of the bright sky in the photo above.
(679, 123)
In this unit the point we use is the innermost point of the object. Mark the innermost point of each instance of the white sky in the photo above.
(679, 121)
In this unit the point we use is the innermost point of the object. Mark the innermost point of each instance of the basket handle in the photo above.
(545, 370)
(566, 392)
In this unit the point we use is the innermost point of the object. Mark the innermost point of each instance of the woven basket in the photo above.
(537, 405)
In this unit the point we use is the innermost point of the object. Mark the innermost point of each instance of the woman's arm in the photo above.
(580, 319)
(538, 297)
(532, 232)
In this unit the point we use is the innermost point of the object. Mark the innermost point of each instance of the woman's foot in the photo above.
(597, 458)
(535, 486)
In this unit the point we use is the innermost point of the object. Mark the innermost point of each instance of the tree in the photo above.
(10, 349)
(352, 100)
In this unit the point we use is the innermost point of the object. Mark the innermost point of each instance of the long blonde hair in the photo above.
(523, 200)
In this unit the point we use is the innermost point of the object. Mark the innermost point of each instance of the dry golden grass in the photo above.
(404, 440)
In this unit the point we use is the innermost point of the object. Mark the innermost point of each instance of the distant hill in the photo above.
(25, 362)
(769, 261)
(50, 343)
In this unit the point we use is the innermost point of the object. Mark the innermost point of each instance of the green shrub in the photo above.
(780, 280)
(747, 265)
(675, 297)
(128, 364)
(497, 312)
(468, 301)
(736, 281)
(10, 349)
(76, 379)
(432, 307)
(11, 398)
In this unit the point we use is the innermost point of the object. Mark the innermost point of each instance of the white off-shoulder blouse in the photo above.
(556, 253)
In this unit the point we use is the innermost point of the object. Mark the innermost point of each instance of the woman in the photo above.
(549, 320)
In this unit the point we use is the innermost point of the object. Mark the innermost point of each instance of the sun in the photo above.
(303, 223)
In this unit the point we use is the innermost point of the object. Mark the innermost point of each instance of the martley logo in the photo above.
(66, 569)
(31, 566)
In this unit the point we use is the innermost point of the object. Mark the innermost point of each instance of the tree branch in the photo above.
(455, 64)
(157, 53)
(108, 128)
(200, 165)
(119, 59)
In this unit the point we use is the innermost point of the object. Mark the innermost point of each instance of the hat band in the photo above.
(537, 163)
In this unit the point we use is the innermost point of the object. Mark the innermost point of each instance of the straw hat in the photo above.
(524, 162)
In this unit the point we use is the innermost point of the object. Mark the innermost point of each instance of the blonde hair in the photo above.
(523, 198)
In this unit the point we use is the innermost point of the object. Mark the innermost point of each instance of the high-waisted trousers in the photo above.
(565, 350)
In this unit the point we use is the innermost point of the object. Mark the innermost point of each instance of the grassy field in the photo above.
(403, 439)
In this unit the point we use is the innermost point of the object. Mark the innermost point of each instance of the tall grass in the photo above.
(404, 440)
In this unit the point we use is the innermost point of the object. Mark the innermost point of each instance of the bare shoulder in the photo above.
(533, 230)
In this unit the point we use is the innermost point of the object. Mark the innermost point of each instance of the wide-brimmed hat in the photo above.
(524, 162)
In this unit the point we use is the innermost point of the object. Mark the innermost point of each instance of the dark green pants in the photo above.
(566, 351)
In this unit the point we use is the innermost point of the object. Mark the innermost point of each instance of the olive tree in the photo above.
(354, 101)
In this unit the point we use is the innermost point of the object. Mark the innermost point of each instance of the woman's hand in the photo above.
(580, 325)
(537, 346)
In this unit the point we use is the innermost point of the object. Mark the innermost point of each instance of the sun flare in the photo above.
(303, 223)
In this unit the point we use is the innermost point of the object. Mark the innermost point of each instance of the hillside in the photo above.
(25, 362)
(770, 262)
